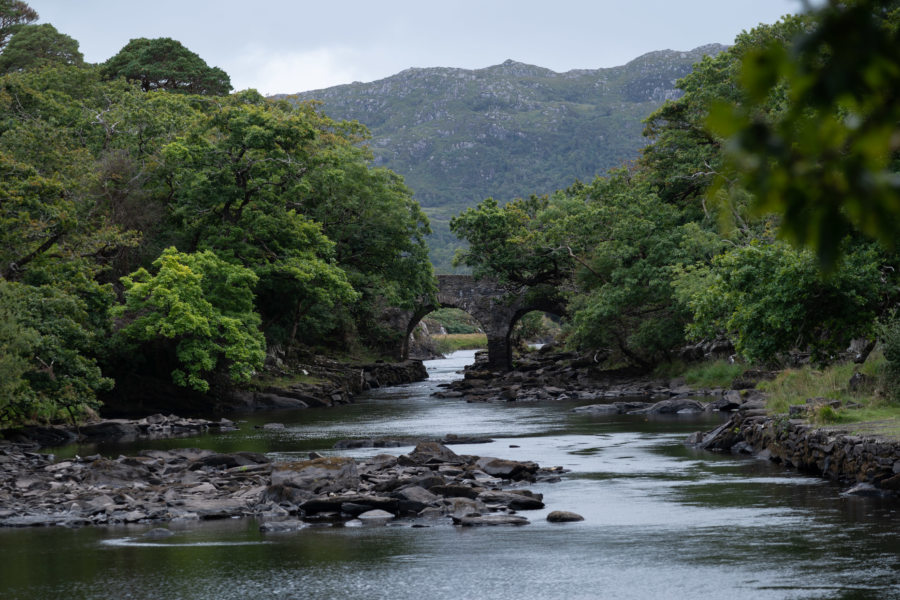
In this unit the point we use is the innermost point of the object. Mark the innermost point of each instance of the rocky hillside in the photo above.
(459, 136)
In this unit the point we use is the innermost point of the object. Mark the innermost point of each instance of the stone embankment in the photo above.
(430, 484)
(870, 462)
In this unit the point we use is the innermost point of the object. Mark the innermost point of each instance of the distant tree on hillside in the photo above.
(166, 64)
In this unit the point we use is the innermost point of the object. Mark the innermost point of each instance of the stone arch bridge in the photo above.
(497, 308)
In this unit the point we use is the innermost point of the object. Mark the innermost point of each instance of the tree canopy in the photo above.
(13, 14)
(165, 64)
(192, 230)
(38, 46)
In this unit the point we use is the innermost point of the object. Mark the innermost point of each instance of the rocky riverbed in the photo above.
(430, 484)
(564, 376)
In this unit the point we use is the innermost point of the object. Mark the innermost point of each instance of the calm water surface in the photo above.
(661, 521)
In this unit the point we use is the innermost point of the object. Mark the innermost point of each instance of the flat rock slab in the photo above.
(283, 526)
(490, 520)
(614, 408)
(375, 515)
(512, 500)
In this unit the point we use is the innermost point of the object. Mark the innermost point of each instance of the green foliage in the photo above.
(35, 46)
(769, 299)
(794, 386)
(201, 305)
(714, 374)
(631, 242)
(288, 193)
(828, 160)
(889, 336)
(454, 320)
(13, 15)
(504, 242)
(531, 327)
(274, 207)
(165, 64)
(445, 344)
(639, 252)
(47, 338)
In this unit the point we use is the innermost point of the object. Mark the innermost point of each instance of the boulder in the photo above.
(213, 508)
(456, 491)
(464, 507)
(349, 503)
(227, 461)
(414, 498)
(564, 516)
(319, 475)
(614, 408)
(432, 453)
(507, 469)
(111, 429)
(114, 474)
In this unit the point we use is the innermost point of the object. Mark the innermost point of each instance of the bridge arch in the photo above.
(497, 308)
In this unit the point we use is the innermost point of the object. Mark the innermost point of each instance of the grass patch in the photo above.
(444, 344)
(454, 320)
(715, 374)
(267, 380)
(712, 374)
(794, 386)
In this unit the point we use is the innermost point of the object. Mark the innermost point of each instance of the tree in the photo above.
(14, 14)
(506, 243)
(199, 309)
(630, 241)
(36, 46)
(770, 299)
(237, 185)
(165, 64)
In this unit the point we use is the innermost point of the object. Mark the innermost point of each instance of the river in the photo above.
(661, 521)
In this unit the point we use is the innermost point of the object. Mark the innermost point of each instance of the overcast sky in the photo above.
(284, 46)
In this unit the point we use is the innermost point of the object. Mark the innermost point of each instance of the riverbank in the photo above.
(859, 455)
(322, 383)
(428, 484)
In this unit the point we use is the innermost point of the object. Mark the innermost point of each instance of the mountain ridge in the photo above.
(507, 130)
